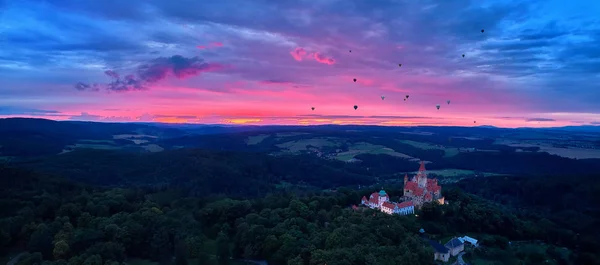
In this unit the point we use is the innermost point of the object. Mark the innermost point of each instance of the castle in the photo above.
(421, 189)
(417, 191)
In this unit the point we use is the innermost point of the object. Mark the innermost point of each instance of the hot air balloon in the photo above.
(482, 31)
(474, 121)
(448, 102)
(354, 80)
(355, 107)
(313, 108)
(399, 65)
(463, 56)
(349, 50)
(437, 106)
(382, 97)
(404, 99)
(406, 96)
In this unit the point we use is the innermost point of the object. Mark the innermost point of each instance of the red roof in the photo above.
(416, 190)
(354, 207)
(388, 205)
(432, 185)
(428, 196)
(374, 201)
(422, 167)
(374, 195)
(364, 198)
(410, 185)
(405, 204)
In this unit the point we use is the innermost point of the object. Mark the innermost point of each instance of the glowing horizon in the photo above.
(269, 63)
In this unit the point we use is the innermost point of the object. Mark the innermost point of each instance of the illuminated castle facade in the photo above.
(421, 189)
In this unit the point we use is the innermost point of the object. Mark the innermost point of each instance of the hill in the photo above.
(55, 221)
(20, 137)
(203, 172)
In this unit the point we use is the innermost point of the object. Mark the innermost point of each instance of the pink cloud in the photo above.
(323, 59)
(211, 45)
(300, 53)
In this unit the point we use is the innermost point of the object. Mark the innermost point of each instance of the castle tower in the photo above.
(405, 179)
(383, 197)
(422, 176)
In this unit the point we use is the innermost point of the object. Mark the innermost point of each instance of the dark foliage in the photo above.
(202, 172)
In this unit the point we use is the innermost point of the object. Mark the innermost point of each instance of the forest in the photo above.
(59, 221)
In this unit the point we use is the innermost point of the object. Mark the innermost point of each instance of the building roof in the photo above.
(405, 204)
(388, 205)
(454, 242)
(414, 187)
(428, 196)
(439, 248)
(422, 166)
(468, 239)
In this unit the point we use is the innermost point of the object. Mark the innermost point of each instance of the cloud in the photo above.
(540, 119)
(11, 110)
(362, 116)
(215, 44)
(300, 54)
(152, 72)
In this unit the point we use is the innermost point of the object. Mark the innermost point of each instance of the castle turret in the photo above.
(405, 179)
(422, 176)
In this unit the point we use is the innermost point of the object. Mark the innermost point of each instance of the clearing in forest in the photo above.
(448, 151)
(301, 145)
(367, 148)
(256, 139)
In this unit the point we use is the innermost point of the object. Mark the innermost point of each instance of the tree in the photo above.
(61, 249)
(223, 251)
(180, 253)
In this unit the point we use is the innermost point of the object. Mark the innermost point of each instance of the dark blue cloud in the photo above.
(11, 110)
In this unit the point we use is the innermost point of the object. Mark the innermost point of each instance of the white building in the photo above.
(469, 239)
(381, 201)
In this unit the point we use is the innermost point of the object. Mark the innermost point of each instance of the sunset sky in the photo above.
(269, 61)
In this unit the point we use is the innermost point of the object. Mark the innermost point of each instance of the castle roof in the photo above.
(414, 187)
(382, 193)
(422, 166)
(374, 201)
(428, 196)
(388, 205)
(405, 204)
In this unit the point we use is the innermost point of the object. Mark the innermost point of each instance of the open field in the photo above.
(130, 136)
(94, 146)
(577, 153)
(85, 141)
(546, 146)
(153, 148)
(289, 134)
(367, 148)
(256, 139)
(301, 145)
(448, 151)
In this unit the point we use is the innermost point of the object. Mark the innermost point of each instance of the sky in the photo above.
(536, 64)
